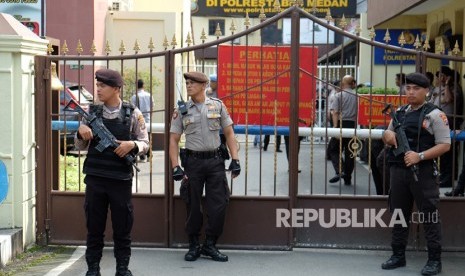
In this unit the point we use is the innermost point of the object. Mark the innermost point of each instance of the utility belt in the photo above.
(221, 151)
(203, 154)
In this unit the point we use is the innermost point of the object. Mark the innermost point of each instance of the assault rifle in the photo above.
(106, 138)
(401, 137)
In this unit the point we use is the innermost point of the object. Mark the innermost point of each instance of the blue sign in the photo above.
(383, 56)
(3, 181)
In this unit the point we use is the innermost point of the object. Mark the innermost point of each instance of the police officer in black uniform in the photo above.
(427, 131)
(204, 164)
(108, 175)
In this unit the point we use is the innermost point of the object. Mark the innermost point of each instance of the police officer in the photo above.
(427, 131)
(108, 177)
(204, 164)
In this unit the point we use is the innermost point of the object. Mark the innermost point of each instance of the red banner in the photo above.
(255, 80)
(374, 111)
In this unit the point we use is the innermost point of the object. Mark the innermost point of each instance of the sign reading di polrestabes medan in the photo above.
(253, 80)
(374, 110)
(253, 7)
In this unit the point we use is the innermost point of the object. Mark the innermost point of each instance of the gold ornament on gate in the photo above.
(56, 83)
(355, 146)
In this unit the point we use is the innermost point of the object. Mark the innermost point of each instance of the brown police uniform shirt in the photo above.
(436, 124)
(138, 129)
(202, 124)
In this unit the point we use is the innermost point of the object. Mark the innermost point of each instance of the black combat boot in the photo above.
(397, 259)
(194, 249)
(433, 265)
(93, 266)
(209, 249)
(122, 267)
(458, 191)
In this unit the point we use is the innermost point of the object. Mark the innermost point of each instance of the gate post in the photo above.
(169, 185)
(420, 62)
(293, 116)
(41, 157)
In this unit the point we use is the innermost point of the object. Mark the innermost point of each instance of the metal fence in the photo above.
(270, 178)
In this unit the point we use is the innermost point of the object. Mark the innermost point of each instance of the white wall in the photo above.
(17, 142)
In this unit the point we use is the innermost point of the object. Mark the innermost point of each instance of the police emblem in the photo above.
(141, 121)
(444, 118)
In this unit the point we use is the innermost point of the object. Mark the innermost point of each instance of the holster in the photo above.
(183, 157)
(184, 191)
(223, 150)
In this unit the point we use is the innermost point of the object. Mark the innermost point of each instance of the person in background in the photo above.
(430, 77)
(379, 165)
(400, 82)
(332, 152)
(212, 90)
(144, 101)
(459, 190)
(450, 100)
(345, 116)
(266, 142)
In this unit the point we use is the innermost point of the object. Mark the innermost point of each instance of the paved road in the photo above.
(264, 173)
(149, 262)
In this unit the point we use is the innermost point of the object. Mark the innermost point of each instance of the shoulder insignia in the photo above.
(141, 121)
(175, 114)
(444, 118)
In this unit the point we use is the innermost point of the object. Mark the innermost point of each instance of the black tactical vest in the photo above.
(411, 123)
(107, 163)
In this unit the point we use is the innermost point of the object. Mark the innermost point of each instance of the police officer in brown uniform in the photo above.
(204, 164)
(428, 136)
(108, 175)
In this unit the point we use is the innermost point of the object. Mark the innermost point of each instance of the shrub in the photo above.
(378, 90)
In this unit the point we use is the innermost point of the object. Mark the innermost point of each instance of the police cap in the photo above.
(418, 79)
(109, 77)
(196, 76)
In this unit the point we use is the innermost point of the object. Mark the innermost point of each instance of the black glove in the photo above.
(235, 167)
(178, 173)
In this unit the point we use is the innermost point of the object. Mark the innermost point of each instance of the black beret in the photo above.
(418, 79)
(196, 76)
(109, 77)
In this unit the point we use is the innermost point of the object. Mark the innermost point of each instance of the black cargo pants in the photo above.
(425, 193)
(208, 172)
(102, 193)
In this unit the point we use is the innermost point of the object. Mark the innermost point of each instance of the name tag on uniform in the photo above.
(213, 112)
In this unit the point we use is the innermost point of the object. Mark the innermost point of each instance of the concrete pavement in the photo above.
(261, 179)
(150, 261)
